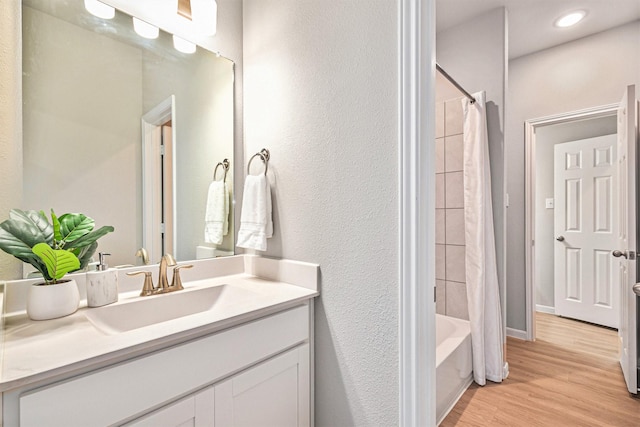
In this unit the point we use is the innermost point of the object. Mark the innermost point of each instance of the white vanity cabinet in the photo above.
(193, 411)
(272, 393)
(257, 373)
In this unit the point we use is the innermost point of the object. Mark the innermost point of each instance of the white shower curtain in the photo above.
(480, 260)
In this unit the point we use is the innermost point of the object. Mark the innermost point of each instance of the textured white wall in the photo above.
(10, 121)
(321, 92)
(475, 54)
(585, 73)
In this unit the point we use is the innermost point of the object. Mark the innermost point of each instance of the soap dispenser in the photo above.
(102, 284)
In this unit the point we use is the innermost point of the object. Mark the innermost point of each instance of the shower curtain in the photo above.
(480, 259)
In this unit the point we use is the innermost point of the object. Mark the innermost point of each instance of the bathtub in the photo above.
(453, 362)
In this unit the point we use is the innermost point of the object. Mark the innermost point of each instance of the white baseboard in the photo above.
(517, 333)
(545, 309)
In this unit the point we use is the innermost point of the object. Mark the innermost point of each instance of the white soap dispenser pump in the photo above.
(102, 284)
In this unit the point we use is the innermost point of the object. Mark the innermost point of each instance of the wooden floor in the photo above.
(570, 376)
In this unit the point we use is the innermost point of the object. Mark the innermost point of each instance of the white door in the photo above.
(585, 185)
(626, 246)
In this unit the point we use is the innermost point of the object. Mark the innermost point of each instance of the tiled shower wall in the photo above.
(451, 293)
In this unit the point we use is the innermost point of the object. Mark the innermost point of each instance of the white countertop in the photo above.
(39, 350)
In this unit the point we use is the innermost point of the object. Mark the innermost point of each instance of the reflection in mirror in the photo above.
(88, 84)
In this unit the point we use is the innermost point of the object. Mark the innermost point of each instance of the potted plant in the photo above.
(64, 245)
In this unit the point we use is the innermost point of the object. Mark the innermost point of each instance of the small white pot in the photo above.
(52, 301)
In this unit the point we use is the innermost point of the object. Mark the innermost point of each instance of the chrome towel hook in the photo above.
(225, 166)
(265, 156)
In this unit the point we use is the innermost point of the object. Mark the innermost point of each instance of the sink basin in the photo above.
(146, 311)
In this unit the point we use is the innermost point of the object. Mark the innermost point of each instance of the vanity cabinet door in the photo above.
(194, 411)
(275, 393)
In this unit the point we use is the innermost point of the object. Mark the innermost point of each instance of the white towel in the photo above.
(227, 203)
(256, 223)
(217, 213)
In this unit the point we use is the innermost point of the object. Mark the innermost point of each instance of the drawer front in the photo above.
(117, 393)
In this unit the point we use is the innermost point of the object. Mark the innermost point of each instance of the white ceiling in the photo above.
(530, 22)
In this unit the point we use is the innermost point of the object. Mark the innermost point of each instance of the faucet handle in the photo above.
(176, 282)
(147, 288)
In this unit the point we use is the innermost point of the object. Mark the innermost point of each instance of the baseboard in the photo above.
(545, 309)
(517, 333)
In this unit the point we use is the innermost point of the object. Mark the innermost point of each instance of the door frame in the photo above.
(530, 127)
(151, 123)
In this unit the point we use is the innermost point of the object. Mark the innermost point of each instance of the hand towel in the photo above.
(217, 212)
(227, 202)
(256, 223)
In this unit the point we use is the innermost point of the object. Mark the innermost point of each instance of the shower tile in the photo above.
(456, 297)
(441, 295)
(440, 262)
(454, 190)
(453, 117)
(454, 224)
(439, 155)
(454, 263)
(440, 226)
(453, 157)
(440, 196)
(439, 119)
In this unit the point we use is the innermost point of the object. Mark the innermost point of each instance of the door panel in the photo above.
(627, 149)
(586, 284)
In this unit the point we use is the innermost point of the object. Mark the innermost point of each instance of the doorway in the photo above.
(543, 137)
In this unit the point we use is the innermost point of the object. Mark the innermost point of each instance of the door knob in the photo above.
(636, 289)
(630, 255)
(560, 238)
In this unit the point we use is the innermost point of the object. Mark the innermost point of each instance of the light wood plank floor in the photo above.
(569, 376)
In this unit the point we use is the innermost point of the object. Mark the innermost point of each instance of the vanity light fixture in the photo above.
(99, 9)
(201, 15)
(183, 45)
(145, 29)
(570, 19)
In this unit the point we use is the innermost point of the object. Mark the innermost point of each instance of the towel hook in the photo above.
(264, 156)
(225, 166)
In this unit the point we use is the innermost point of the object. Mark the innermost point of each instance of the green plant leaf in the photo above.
(31, 223)
(73, 226)
(89, 238)
(85, 254)
(56, 226)
(59, 262)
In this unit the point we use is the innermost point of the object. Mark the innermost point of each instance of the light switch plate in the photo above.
(548, 203)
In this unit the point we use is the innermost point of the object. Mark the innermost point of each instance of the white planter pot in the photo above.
(51, 301)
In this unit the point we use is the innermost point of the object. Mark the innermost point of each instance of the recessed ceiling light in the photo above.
(99, 9)
(570, 19)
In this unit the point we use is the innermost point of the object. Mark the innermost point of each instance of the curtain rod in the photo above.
(455, 83)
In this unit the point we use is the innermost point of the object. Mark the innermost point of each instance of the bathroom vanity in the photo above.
(242, 356)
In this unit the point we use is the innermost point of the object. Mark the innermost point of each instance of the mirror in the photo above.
(88, 85)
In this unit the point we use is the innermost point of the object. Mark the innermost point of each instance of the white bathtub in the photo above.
(453, 362)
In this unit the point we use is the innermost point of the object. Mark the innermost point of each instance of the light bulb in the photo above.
(183, 45)
(99, 9)
(145, 29)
